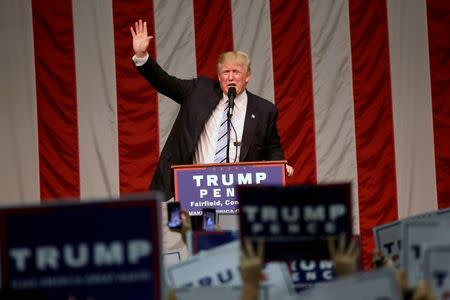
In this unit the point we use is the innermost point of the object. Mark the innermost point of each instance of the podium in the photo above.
(214, 185)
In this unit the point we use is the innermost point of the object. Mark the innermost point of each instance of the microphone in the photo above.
(231, 96)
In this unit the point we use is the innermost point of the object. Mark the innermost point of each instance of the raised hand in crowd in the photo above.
(141, 39)
(251, 265)
(344, 257)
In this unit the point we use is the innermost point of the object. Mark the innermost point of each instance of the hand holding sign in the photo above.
(295, 221)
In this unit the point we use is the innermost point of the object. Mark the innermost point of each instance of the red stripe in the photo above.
(137, 102)
(439, 46)
(213, 33)
(373, 118)
(56, 99)
(292, 68)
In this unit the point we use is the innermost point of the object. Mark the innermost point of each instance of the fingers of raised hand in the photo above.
(260, 249)
(140, 27)
(248, 248)
(331, 247)
(341, 244)
(352, 249)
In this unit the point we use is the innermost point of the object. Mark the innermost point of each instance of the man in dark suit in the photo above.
(196, 134)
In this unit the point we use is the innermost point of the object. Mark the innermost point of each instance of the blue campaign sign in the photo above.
(308, 272)
(214, 186)
(205, 240)
(295, 221)
(95, 250)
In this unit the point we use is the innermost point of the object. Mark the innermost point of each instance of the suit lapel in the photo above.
(251, 119)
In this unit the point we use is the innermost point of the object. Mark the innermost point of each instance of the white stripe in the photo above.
(175, 52)
(19, 160)
(412, 111)
(333, 95)
(96, 97)
(252, 34)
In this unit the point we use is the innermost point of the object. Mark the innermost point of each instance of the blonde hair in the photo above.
(236, 56)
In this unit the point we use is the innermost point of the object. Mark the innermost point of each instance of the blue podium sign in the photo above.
(88, 250)
(214, 186)
(295, 221)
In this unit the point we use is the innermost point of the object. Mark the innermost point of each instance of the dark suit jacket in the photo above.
(198, 98)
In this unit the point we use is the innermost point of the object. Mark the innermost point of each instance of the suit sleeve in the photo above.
(168, 85)
(273, 147)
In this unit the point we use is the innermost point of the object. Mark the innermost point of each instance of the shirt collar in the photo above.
(239, 101)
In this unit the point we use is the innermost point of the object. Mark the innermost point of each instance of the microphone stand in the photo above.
(229, 115)
(231, 96)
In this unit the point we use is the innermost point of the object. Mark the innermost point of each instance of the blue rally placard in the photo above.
(214, 186)
(206, 240)
(95, 250)
(306, 273)
(295, 221)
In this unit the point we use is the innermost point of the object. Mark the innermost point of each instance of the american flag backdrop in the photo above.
(362, 88)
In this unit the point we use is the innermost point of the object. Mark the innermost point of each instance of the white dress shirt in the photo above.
(206, 146)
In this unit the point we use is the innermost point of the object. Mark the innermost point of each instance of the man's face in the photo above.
(233, 73)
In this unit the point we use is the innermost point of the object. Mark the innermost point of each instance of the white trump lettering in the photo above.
(137, 249)
(198, 179)
(275, 228)
(269, 213)
(245, 178)
(295, 219)
(224, 179)
(112, 255)
(203, 193)
(307, 265)
(311, 276)
(290, 214)
(211, 180)
(311, 213)
(326, 264)
(257, 227)
(76, 262)
(294, 228)
(102, 254)
(260, 177)
(327, 275)
(20, 256)
(336, 211)
(47, 256)
(251, 212)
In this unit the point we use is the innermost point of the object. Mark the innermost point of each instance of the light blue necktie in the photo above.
(221, 146)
